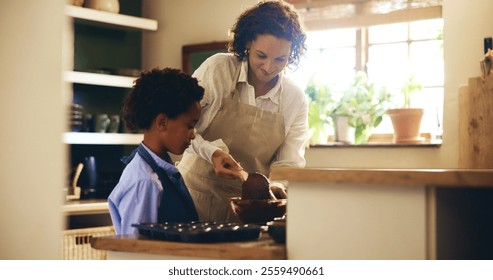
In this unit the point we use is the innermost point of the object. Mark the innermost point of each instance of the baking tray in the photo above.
(199, 232)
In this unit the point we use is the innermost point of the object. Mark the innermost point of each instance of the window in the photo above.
(389, 54)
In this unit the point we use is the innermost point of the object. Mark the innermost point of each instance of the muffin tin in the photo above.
(199, 232)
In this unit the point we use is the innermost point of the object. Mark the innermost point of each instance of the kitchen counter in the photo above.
(416, 177)
(388, 213)
(137, 247)
(357, 214)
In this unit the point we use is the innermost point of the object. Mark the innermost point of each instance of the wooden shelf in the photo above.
(110, 20)
(105, 19)
(99, 79)
(102, 138)
(85, 207)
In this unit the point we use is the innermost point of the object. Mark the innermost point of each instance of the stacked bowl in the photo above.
(76, 117)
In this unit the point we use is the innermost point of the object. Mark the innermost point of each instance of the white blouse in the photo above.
(216, 75)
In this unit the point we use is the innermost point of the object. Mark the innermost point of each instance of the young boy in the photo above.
(164, 104)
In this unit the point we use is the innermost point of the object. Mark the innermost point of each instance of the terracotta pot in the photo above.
(406, 123)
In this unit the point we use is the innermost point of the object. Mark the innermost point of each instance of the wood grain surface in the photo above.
(476, 124)
(411, 177)
(263, 249)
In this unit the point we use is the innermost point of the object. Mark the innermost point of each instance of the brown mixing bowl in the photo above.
(258, 211)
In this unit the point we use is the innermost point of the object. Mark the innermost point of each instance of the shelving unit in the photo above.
(78, 77)
(111, 20)
(100, 40)
(101, 138)
(95, 17)
(85, 207)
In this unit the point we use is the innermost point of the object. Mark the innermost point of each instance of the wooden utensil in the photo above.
(74, 191)
(244, 175)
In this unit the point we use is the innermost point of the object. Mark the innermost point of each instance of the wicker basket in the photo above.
(76, 243)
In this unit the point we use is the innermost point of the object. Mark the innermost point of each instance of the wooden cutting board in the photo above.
(476, 123)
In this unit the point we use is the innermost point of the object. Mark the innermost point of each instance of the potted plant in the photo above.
(406, 120)
(352, 113)
(362, 107)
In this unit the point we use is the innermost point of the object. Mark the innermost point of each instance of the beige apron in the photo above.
(252, 135)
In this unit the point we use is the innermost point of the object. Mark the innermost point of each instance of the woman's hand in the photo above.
(226, 166)
(278, 190)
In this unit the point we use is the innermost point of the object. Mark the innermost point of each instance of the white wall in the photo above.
(186, 22)
(466, 25)
(32, 161)
(189, 21)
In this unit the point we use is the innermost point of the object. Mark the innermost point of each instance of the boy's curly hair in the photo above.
(276, 18)
(167, 91)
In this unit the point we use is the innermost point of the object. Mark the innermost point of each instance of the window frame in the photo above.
(362, 47)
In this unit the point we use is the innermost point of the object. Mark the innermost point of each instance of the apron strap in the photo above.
(236, 76)
(127, 159)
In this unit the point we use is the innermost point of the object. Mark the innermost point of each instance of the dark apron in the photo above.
(176, 203)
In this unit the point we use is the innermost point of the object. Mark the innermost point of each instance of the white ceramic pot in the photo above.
(112, 6)
(343, 132)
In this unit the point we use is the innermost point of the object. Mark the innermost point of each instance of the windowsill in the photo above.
(384, 141)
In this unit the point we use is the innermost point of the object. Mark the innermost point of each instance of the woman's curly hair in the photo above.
(168, 91)
(276, 18)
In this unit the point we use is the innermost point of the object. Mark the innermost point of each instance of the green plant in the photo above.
(364, 106)
(409, 88)
(320, 98)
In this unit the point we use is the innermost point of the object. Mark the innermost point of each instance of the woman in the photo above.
(165, 105)
(253, 117)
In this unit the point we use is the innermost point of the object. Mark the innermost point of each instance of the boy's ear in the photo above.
(161, 121)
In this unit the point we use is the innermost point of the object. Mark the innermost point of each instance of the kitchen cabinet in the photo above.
(388, 214)
(103, 43)
(100, 45)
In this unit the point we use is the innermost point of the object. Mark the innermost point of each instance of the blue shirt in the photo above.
(137, 196)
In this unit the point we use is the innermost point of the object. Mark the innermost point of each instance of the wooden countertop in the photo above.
(263, 249)
(430, 177)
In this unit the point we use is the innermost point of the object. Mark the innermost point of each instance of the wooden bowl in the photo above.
(258, 211)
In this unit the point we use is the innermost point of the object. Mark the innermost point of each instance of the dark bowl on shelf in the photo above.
(258, 211)
(75, 126)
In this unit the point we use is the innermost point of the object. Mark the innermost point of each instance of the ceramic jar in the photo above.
(112, 6)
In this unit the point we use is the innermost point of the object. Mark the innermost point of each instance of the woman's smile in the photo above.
(268, 57)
